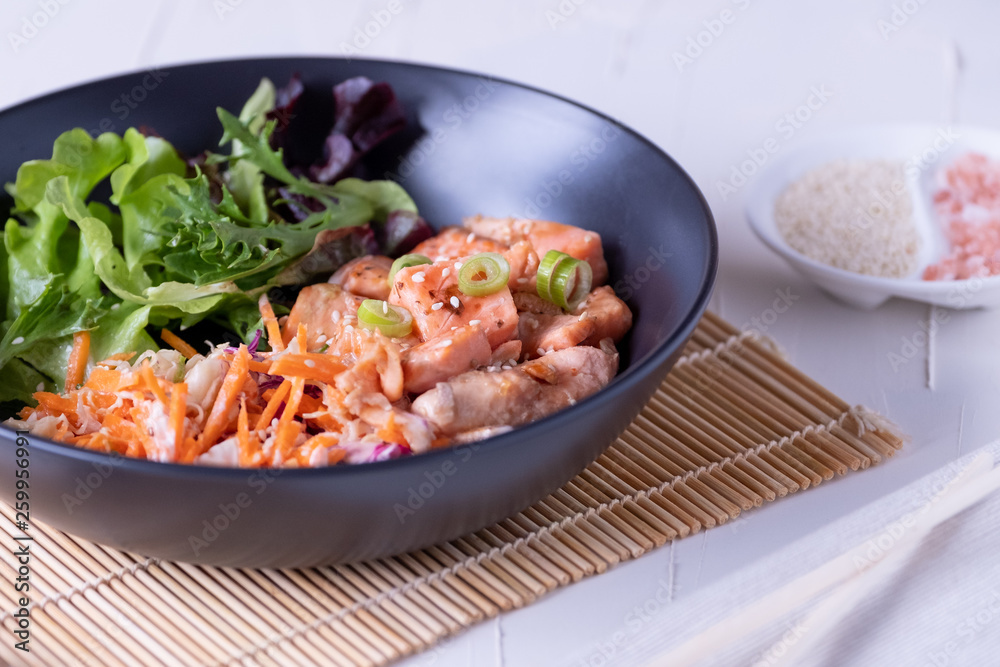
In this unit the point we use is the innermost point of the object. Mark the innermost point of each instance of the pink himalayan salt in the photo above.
(968, 206)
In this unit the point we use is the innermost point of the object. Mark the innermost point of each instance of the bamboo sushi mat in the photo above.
(732, 427)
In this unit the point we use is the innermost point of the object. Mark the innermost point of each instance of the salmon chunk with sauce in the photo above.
(609, 315)
(366, 276)
(544, 236)
(455, 243)
(482, 399)
(444, 356)
(430, 292)
(321, 307)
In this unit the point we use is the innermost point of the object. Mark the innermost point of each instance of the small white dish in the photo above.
(924, 149)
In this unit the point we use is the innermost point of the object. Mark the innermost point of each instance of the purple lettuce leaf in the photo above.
(402, 231)
(366, 113)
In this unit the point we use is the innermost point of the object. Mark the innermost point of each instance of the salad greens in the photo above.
(175, 243)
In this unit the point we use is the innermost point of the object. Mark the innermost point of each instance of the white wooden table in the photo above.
(708, 82)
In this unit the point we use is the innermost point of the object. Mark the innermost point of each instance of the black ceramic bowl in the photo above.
(474, 145)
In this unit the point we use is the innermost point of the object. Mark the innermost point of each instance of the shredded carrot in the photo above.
(153, 383)
(304, 453)
(301, 337)
(105, 379)
(178, 343)
(390, 432)
(120, 356)
(288, 428)
(271, 323)
(54, 404)
(247, 455)
(78, 357)
(310, 366)
(218, 418)
(273, 403)
(178, 410)
(260, 366)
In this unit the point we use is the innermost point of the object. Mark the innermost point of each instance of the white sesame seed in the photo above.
(522, 280)
(455, 303)
(335, 316)
(40, 386)
(17, 341)
(440, 258)
(419, 277)
(572, 401)
(447, 343)
(540, 350)
(437, 306)
(582, 316)
(385, 307)
(115, 306)
(446, 272)
(475, 322)
(588, 237)
(310, 363)
(348, 329)
(458, 265)
(453, 328)
(471, 237)
(321, 338)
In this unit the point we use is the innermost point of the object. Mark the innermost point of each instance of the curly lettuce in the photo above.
(172, 244)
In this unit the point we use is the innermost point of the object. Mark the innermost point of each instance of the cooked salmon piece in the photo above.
(455, 242)
(532, 303)
(506, 353)
(482, 399)
(378, 366)
(544, 236)
(541, 334)
(430, 292)
(321, 307)
(610, 315)
(366, 276)
(447, 354)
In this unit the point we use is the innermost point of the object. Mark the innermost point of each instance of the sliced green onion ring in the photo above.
(564, 280)
(483, 274)
(407, 261)
(393, 321)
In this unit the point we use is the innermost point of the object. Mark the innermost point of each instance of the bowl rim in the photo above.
(649, 362)
(759, 210)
